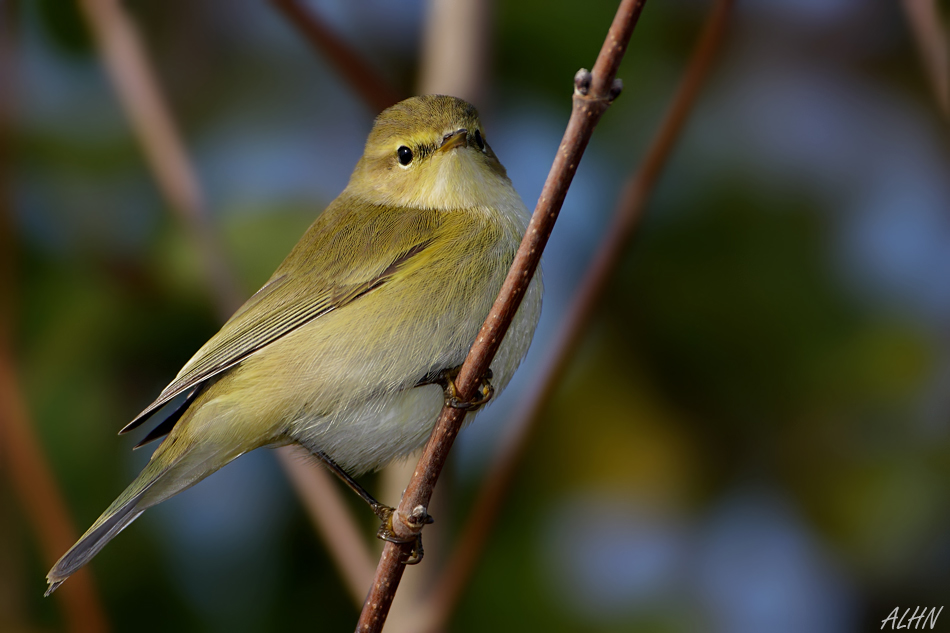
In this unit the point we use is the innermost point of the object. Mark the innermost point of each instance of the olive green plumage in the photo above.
(387, 288)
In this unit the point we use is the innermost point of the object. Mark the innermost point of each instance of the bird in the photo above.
(350, 348)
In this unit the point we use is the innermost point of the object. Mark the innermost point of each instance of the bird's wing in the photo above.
(360, 248)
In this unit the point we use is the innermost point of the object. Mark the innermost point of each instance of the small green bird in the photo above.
(345, 347)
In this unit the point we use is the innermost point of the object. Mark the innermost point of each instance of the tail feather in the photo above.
(157, 482)
(89, 545)
(116, 518)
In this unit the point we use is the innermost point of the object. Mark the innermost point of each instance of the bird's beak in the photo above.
(458, 138)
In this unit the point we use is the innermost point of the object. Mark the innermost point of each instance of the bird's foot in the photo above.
(415, 522)
(483, 394)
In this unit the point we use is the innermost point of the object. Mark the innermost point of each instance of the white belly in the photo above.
(369, 434)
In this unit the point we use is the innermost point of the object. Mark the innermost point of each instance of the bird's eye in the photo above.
(404, 154)
(479, 140)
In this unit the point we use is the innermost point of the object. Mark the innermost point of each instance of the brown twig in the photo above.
(627, 218)
(331, 517)
(932, 42)
(456, 60)
(21, 454)
(363, 78)
(593, 93)
(134, 82)
(42, 500)
(141, 97)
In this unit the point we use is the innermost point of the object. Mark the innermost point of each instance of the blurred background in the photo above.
(754, 433)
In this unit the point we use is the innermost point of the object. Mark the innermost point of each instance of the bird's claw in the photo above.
(484, 393)
(415, 521)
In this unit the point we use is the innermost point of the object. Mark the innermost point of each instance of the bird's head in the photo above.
(429, 152)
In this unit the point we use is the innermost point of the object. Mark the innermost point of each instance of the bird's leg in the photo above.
(417, 518)
(380, 510)
(446, 379)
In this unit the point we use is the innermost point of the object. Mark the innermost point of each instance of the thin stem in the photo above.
(930, 33)
(42, 500)
(592, 97)
(455, 61)
(627, 219)
(331, 517)
(21, 452)
(138, 91)
(372, 87)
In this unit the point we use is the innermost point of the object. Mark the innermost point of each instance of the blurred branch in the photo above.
(931, 36)
(455, 60)
(42, 500)
(627, 218)
(138, 90)
(141, 98)
(20, 452)
(363, 78)
(593, 94)
(331, 517)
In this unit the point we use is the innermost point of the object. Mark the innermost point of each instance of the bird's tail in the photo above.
(164, 476)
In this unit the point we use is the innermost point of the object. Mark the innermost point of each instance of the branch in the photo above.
(455, 61)
(931, 36)
(627, 219)
(21, 453)
(331, 517)
(593, 94)
(363, 79)
(42, 500)
(142, 101)
(141, 97)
